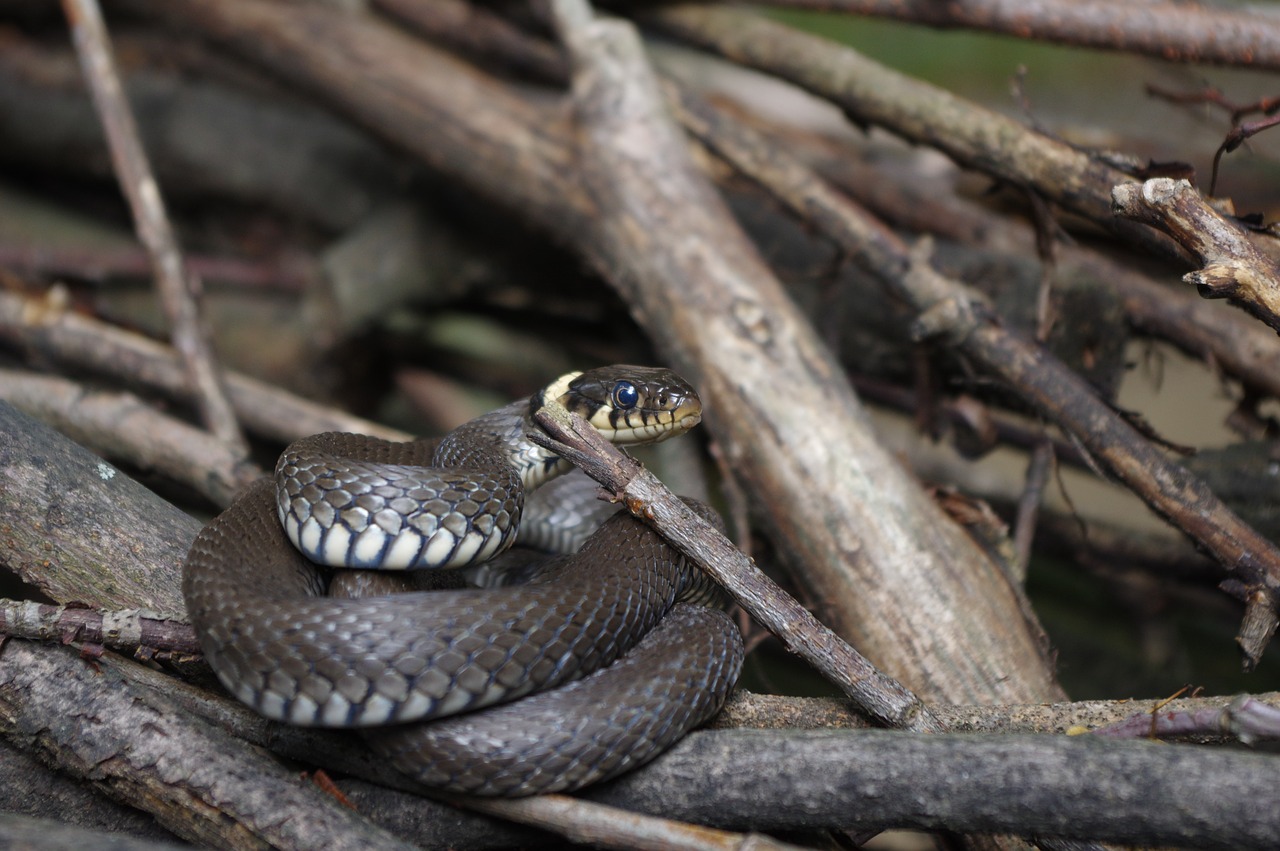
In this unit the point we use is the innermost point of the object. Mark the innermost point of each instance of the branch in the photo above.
(134, 745)
(121, 425)
(1233, 268)
(62, 510)
(1079, 787)
(871, 94)
(131, 631)
(950, 314)
(881, 697)
(178, 288)
(46, 326)
(1176, 32)
(885, 561)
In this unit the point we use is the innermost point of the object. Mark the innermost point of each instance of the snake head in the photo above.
(629, 405)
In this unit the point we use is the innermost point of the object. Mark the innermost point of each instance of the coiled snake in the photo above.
(621, 664)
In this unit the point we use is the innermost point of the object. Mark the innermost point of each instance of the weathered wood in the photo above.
(137, 746)
(61, 529)
(891, 572)
(1053, 786)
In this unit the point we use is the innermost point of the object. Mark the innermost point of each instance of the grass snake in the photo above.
(603, 659)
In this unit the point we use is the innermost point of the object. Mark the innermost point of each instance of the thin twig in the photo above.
(1038, 466)
(598, 825)
(880, 696)
(179, 289)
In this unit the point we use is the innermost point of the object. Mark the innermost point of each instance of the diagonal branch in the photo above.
(1232, 267)
(951, 314)
(178, 288)
(1178, 32)
(881, 697)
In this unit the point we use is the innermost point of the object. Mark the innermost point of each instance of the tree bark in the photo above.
(892, 574)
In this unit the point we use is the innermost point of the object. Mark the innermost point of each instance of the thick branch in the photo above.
(1073, 787)
(139, 748)
(840, 506)
(61, 527)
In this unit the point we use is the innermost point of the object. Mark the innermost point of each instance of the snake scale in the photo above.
(603, 659)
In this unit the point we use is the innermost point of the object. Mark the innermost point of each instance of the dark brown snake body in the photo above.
(611, 662)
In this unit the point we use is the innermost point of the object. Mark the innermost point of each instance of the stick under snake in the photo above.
(601, 661)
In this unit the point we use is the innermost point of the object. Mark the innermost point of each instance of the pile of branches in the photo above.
(402, 201)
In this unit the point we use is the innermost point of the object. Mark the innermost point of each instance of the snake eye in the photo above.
(625, 395)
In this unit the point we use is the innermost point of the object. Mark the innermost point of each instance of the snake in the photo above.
(596, 664)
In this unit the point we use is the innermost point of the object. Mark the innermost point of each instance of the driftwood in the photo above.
(562, 122)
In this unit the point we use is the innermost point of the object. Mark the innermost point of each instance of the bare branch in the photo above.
(1178, 32)
(179, 290)
(951, 314)
(44, 325)
(644, 495)
(123, 426)
(1233, 268)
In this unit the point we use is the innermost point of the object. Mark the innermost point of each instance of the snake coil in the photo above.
(602, 660)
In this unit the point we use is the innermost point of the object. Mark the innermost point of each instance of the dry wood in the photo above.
(1053, 786)
(893, 574)
(1180, 32)
(178, 288)
(42, 325)
(121, 425)
(32, 791)
(138, 747)
(603, 171)
(706, 297)
(62, 522)
(952, 315)
(872, 94)
(1232, 267)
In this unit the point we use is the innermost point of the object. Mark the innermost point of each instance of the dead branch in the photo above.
(588, 823)
(178, 288)
(137, 747)
(1078, 787)
(1178, 32)
(46, 327)
(1233, 268)
(952, 315)
(121, 425)
(881, 697)
(63, 528)
(872, 94)
(710, 302)
(130, 631)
